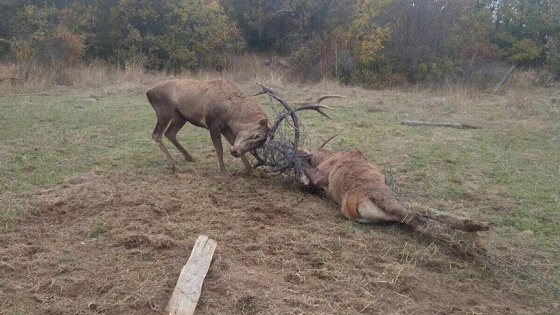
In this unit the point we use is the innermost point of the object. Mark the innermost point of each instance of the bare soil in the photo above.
(114, 243)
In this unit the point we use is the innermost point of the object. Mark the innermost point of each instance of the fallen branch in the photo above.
(189, 285)
(438, 124)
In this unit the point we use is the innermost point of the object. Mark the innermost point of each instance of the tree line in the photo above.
(370, 42)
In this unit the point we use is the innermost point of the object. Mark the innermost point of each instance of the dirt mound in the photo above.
(115, 244)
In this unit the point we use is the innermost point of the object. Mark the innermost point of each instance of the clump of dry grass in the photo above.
(240, 69)
(92, 75)
(11, 76)
(254, 68)
(10, 71)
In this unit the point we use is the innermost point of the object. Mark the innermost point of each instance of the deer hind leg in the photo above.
(177, 122)
(359, 207)
(163, 119)
(456, 222)
(349, 207)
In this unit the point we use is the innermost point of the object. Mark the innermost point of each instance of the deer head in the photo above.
(251, 137)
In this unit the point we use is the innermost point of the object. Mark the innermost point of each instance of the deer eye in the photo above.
(257, 136)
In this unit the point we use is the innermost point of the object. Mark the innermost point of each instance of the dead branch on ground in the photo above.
(438, 124)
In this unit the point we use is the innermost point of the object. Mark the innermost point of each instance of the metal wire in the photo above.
(279, 152)
(492, 261)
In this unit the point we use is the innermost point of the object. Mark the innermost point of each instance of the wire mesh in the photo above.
(279, 152)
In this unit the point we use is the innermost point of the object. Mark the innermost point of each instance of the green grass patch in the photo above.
(46, 138)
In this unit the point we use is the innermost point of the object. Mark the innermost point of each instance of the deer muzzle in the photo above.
(235, 152)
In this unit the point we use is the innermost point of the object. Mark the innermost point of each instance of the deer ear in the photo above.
(263, 122)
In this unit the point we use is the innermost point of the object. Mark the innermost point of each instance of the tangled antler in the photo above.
(282, 154)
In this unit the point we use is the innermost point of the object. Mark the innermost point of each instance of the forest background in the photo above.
(372, 43)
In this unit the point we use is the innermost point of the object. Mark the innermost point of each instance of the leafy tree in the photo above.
(552, 57)
(172, 35)
(372, 42)
(42, 38)
(431, 38)
(168, 34)
(265, 24)
(522, 29)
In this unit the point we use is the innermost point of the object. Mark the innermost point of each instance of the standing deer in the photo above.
(216, 105)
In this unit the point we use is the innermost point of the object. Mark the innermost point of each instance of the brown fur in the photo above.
(216, 105)
(350, 180)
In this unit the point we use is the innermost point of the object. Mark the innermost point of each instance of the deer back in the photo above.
(205, 103)
(348, 171)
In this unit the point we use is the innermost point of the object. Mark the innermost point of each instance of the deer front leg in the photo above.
(317, 178)
(216, 137)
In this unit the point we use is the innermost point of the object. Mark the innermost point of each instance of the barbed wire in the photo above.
(464, 242)
(279, 152)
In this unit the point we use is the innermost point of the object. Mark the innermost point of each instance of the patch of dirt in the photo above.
(116, 243)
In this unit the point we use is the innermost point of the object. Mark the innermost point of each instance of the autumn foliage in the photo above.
(368, 42)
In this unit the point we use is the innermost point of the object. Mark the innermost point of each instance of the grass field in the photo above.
(78, 169)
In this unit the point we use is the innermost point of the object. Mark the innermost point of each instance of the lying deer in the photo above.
(356, 184)
(216, 105)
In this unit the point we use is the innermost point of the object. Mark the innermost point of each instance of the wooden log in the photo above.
(185, 297)
(437, 124)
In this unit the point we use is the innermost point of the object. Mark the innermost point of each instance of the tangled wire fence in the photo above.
(281, 151)
(494, 262)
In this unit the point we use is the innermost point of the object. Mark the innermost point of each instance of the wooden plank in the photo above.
(185, 297)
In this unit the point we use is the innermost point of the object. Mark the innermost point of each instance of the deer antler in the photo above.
(315, 105)
(325, 143)
(273, 151)
(291, 111)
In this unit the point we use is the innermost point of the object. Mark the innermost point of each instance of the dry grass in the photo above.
(91, 221)
(240, 69)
